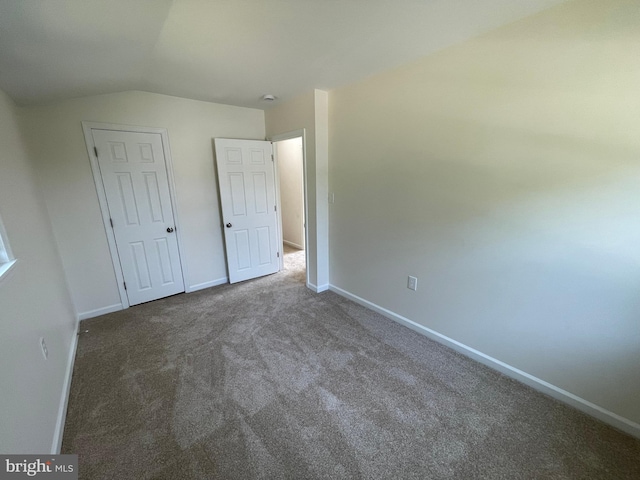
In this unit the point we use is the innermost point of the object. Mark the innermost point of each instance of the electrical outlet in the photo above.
(45, 350)
(412, 283)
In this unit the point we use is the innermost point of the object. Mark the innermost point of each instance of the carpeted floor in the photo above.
(266, 379)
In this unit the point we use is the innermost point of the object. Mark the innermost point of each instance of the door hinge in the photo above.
(125, 285)
(272, 157)
(278, 254)
(111, 222)
(95, 150)
(275, 208)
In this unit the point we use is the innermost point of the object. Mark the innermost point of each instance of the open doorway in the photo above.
(290, 171)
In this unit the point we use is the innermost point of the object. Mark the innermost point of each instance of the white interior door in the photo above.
(136, 185)
(246, 181)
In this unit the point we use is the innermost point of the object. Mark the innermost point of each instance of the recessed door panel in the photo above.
(118, 152)
(139, 257)
(243, 249)
(264, 245)
(257, 156)
(127, 198)
(261, 202)
(233, 156)
(146, 153)
(153, 196)
(237, 194)
(164, 260)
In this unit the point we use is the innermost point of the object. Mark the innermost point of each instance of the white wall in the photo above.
(310, 112)
(57, 144)
(505, 174)
(290, 173)
(34, 303)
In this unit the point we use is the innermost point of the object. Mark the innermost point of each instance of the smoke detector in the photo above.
(268, 98)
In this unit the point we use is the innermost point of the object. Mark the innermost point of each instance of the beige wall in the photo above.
(505, 174)
(58, 146)
(34, 303)
(290, 173)
(310, 112)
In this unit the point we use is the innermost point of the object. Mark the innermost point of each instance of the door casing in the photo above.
(278, 138)
(102, 197)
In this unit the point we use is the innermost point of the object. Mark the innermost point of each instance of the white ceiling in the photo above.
(226, 51)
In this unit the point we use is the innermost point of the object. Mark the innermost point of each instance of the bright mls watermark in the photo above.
(52, 467)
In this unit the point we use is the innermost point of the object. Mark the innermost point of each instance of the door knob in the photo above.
(169, 230)
(229, 225)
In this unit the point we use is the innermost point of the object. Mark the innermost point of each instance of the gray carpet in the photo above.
(266, 379)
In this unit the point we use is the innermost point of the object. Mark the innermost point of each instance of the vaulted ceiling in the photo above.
(226, 51)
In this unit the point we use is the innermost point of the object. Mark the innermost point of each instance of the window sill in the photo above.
(6, 268)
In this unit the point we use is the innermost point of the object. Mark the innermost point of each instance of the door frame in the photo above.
(104, 206)
(278, 138)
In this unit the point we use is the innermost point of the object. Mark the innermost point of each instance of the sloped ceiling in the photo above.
(226, 51)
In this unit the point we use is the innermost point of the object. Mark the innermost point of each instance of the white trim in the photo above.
(7, 260)
(287, 136)
(318, 289)
(64, 398)
(294, 245)
(212, 283)
(6, 255)
(276, 180)
(569, 398)
(100, 311)
(5, 269)
(102, 198)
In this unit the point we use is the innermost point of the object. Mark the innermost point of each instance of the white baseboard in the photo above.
(613, 419)
(64, 398)
(318, 289)
(294, 245)
(212, 283)
(100, 311)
